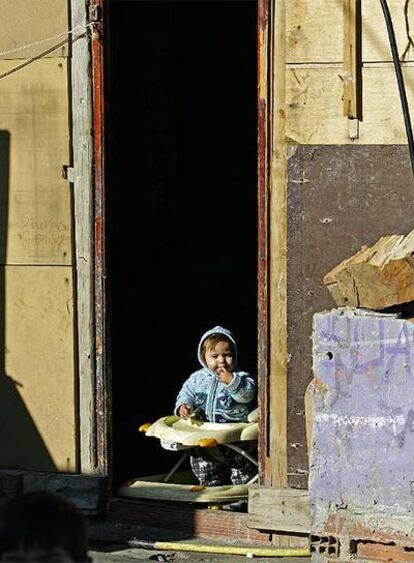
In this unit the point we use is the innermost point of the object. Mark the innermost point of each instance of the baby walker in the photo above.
(175, 434)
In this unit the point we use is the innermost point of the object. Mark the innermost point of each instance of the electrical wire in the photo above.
(68, 38)
(400, 80)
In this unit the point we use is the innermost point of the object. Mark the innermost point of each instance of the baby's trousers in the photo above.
(222, 466)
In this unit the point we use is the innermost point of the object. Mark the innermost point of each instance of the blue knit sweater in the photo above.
(214, 400)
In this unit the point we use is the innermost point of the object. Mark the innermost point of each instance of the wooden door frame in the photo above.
(102, 375)
(272, 250)
(88, 135)
(263, 221)
(272, 255)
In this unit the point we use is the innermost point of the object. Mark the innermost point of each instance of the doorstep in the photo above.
(193, 521)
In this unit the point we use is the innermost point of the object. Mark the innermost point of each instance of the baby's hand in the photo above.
(224, 376)
(184, 411)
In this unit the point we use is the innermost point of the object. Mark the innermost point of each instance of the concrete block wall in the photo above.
(362, 466)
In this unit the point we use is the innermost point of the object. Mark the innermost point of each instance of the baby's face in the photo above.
(220, 358)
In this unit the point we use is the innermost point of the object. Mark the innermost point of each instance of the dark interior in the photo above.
(182, 211)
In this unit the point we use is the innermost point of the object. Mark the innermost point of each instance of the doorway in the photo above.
(182, 202)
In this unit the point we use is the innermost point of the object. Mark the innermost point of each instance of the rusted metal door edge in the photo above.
(102, 378)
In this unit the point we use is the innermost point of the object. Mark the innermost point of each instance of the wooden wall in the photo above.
(37, 374)
(342, 192)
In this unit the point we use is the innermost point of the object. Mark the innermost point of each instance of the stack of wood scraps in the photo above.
(375, 277)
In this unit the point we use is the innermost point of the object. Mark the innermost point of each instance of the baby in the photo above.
(217, 393)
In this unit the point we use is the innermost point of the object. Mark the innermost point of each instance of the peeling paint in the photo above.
(363, 423)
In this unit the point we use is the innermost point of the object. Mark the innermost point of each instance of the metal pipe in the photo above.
(174, 469)
(241, 452)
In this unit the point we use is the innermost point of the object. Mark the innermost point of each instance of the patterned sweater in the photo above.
(214, 400)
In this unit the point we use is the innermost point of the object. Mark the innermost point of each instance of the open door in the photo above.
(182, 210)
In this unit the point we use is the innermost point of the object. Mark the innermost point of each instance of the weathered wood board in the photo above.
(283, 510)
(377, 276)
(83, 210)
(10, 485)
(35, 200)
(28, 21)
(339, 197)
(37, 385)
(315, 30)
(314, 106)
(86, 492)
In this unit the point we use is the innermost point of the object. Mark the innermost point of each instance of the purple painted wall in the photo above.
(363, 429)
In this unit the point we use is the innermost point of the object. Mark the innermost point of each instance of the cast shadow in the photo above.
(21, 445)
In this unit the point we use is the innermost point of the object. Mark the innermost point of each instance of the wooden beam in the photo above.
(263, 236)
(278, 252)
(377, 276)
(279, 510)
(11, 484)
(87, 493)
(84, 254)
(315, 89)
(314, 39)
(352, 78)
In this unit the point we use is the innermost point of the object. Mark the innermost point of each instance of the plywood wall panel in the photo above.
(315, 30)
(35, 199)
(24, 22)
(37, 386)
(314, 106)
(339, 198)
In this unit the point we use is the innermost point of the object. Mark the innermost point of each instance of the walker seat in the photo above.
(189, 432)
(176, 433)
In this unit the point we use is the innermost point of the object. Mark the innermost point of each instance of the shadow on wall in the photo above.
(22, 446)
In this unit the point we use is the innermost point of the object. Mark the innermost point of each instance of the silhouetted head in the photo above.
(42, 521)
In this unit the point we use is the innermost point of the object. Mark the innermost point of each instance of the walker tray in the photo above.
(181, 488)
(176, 433)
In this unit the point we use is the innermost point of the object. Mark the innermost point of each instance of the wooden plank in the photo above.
(83, 220)
(28, 21)
(310, 89)
(35, 199)
(279, 510)
(312, 38)
(10, 484)
(352, 82)
(349, 196)
(263, 238)
(278, 258)
(37, 386)
(86, 492)
(376, 277)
